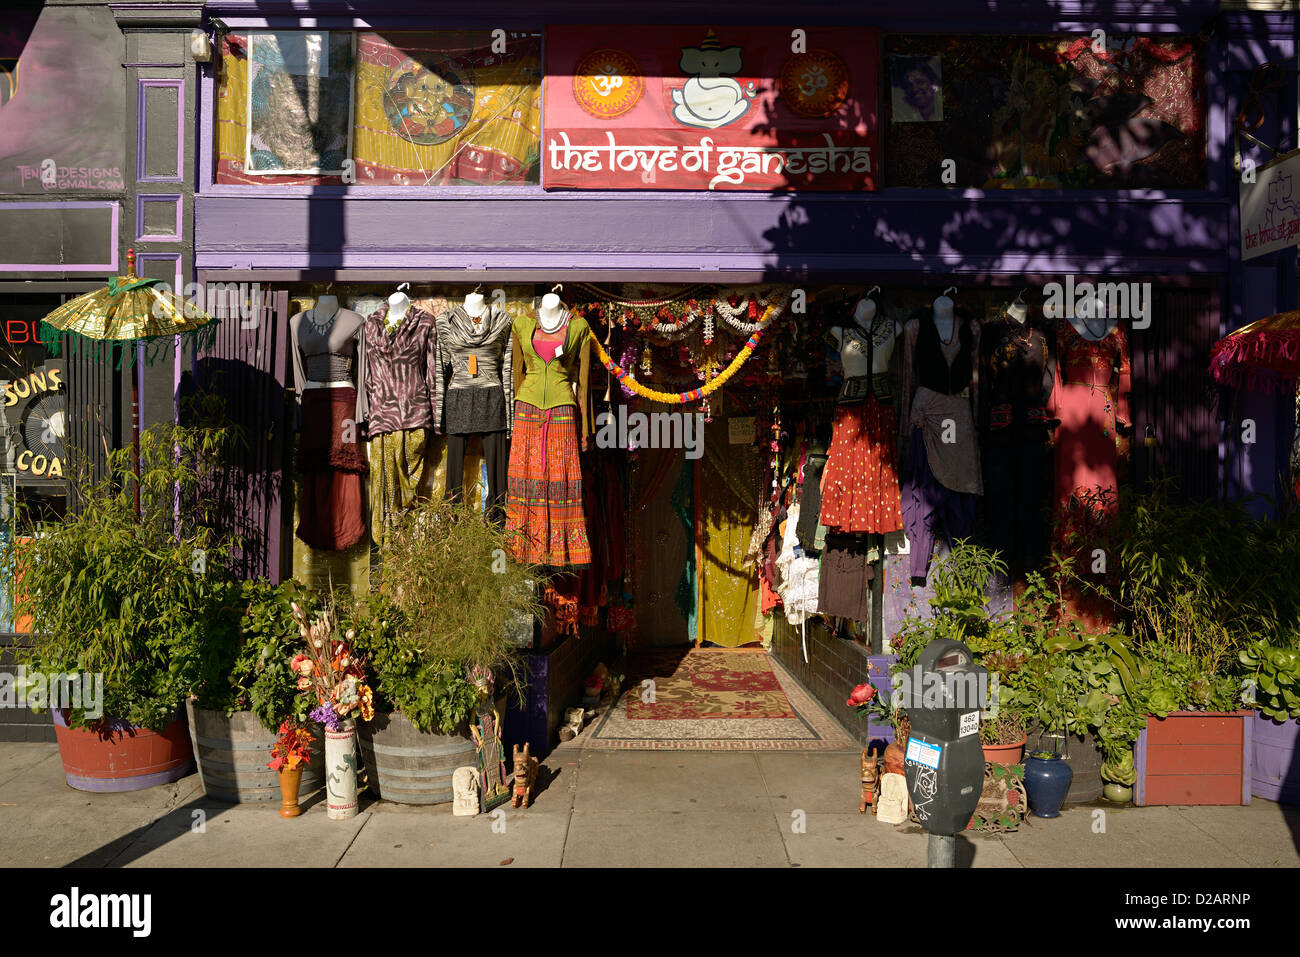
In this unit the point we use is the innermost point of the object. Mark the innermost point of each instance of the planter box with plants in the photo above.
(439, 646)
(136, 600)
(1194, 757)
(1273, 675)
(1213, 596)
(240, 707)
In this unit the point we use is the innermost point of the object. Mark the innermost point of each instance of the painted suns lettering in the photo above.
(47, 380)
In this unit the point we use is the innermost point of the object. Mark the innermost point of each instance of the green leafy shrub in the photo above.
(1273, 672)
(433, 692)
(255, 674)
(145, 599)
(448, 572)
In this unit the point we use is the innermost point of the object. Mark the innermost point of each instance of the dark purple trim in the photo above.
(1140, 763)
(137, 783)
(142, 122)
(1247, 756)
(110, 266)
(776, 235)
(939, 15)
(173, 237)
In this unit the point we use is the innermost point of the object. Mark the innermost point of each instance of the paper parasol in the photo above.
(1263, 356)
(127, 311)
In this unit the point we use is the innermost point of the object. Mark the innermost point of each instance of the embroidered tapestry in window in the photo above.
(427, 109)
(1044, 112)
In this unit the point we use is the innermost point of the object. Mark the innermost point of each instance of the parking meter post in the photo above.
(944, 762)
(941, 851)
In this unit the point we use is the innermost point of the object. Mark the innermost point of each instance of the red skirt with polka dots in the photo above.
(860, 484)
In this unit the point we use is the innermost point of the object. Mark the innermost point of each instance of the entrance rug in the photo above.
(808, 728)
(708, 684)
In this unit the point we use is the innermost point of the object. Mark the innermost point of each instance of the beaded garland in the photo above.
(628, 381)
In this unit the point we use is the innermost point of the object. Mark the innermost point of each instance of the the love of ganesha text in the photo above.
(730, 164)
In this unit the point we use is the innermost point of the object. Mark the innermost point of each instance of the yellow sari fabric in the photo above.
(726, 509)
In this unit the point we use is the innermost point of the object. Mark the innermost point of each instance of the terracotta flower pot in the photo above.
(1005, 753)
(290, 782)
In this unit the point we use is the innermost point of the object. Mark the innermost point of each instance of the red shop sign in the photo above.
(750, 108)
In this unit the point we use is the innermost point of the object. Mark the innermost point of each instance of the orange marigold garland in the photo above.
(628, 380)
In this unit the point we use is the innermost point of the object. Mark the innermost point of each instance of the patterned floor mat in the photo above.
(808, 728)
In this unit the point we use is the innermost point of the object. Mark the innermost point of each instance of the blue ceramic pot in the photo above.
(1047, 779)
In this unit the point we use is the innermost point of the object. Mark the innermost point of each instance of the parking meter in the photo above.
(944, 761)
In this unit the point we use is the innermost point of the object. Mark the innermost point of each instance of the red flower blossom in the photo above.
(861, 695)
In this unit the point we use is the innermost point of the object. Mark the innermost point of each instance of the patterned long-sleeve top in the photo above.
(474, 393)
(400, 371)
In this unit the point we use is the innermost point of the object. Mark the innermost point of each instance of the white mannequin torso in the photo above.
(943, 318)
(326, 307)
(1018, 312)
(475, 305)
(1091, 321)
(855, 357)
(551, 314)
(399, 303)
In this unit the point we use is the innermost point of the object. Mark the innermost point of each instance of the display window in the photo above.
(1017, 112)
(394, 109)
(35, 425)
(714, 456)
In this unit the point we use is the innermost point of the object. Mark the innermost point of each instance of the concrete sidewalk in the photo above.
(605, 808)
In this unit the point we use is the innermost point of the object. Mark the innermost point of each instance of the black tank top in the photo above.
(931, 368)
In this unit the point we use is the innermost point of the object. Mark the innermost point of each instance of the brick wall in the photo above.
(19, 724)
(834, 667)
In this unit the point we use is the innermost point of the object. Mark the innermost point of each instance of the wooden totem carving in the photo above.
(525, 776)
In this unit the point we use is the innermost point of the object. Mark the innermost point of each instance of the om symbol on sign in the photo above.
(607, 83)
(814, 84)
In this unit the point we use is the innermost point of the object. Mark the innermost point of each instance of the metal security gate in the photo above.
(246, 367)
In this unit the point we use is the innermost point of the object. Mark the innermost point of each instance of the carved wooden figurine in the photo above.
(525, 775)
(870, 778)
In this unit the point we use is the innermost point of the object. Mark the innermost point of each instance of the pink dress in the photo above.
(1091, 399)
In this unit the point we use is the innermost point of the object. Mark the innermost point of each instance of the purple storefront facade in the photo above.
(1179, 232)
(1178, 238)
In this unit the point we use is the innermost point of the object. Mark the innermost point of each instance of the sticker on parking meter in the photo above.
(970, 724)
(924, 753)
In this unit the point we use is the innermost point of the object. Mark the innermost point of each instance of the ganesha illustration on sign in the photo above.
(711, 97)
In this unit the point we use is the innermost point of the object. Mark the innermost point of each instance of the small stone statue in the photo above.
(891, 808)
(572, 726)
(525, 775)
(870, 780)
(464, 792)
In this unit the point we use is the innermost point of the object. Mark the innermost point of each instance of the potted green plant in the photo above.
(1271, 671)
(135, 599)
(1194, 608)
(439, 629)
(249, 693)
(1003, 738)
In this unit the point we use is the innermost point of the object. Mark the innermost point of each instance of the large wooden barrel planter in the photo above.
(121, 757)
(410, 766)
(232, 752)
